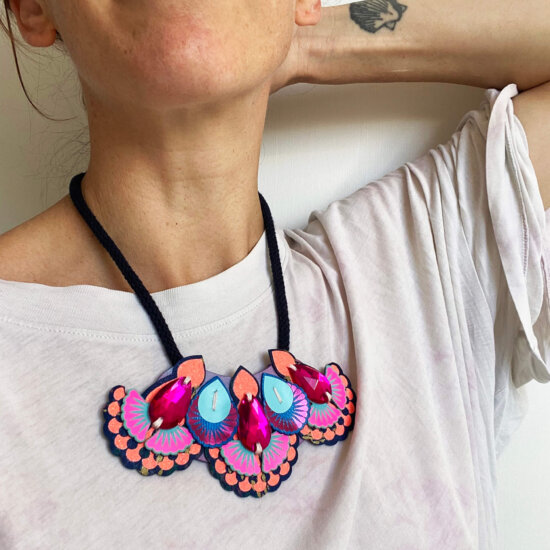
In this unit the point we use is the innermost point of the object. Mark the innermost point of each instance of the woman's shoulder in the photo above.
(43, 249)
(22, 249)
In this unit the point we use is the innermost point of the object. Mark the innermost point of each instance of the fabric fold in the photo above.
(520, 229)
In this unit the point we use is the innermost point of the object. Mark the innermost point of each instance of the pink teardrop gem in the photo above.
(313, 382)
(253, 424)
(171, 403)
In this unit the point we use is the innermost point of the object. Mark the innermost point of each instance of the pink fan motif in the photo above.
(275, 453)
(170, 442)
(323, 416)
(135, 415)
(240, 458)
(338, 389)
(246, 462)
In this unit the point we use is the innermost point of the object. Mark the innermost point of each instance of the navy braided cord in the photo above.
(144, 296)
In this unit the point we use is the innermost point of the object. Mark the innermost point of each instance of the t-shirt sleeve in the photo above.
(475, 201)
(507, 229)
(508, 233)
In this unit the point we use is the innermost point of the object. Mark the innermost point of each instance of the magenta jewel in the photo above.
(171, 403)
(314, 383)
(253, 424)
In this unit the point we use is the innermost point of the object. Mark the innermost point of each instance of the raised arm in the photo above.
(485, 43)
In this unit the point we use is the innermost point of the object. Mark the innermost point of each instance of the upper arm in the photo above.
(532, 107)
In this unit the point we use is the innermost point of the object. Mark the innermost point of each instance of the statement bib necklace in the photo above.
(248, 431)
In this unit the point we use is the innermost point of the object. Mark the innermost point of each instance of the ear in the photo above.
(34, 22)
(308, 12)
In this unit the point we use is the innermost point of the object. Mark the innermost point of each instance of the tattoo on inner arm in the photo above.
(372, 15)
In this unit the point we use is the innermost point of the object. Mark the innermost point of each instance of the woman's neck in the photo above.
(177, 189)
(178, 236)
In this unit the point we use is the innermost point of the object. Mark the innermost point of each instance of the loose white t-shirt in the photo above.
(429, 287)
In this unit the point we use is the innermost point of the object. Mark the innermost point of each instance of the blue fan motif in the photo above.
(286, 405)
(212, 417)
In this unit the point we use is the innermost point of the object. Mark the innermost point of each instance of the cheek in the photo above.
(161, 61)
(181, 58)
(201, 60)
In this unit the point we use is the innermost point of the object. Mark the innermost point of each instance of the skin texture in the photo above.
(176, 93)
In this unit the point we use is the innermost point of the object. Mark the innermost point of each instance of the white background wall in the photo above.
(320, 143)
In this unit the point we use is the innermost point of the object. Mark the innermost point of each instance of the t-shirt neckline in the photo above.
(196, 306)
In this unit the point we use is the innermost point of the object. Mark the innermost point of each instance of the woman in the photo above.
(427, 287)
